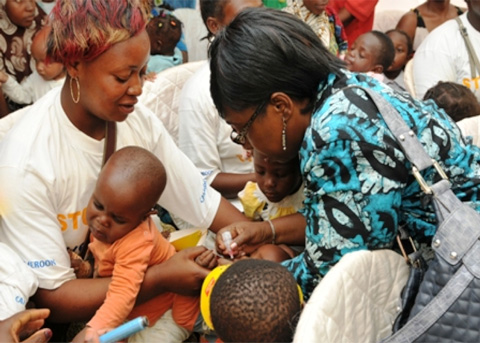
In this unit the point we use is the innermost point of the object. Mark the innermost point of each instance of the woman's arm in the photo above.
(77, 300)
(229, 184)
(408, 24)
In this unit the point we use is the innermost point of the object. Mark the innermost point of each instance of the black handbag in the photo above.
(447, 305)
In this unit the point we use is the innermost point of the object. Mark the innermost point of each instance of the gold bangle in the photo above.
(273, 230)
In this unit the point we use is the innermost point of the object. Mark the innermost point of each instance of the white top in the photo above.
(470, 127)
(17, 283)
(48, 170)
(30, 90)
(443, 56)
(203, 135)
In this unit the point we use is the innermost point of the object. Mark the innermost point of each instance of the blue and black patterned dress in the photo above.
(358, 183)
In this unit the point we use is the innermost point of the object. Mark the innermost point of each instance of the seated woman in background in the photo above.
(359, 185)
(420, 21)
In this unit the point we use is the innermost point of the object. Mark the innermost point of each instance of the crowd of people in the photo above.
(279, 145)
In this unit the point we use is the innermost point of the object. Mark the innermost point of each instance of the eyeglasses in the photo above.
(240, 138)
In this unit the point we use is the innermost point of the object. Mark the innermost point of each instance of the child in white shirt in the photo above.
(47, 75)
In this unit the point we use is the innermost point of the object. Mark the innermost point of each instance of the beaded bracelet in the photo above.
(273, 230)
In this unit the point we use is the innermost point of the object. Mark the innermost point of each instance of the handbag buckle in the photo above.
(421, 181)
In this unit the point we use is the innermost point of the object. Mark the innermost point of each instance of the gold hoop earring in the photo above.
(284, 135)
(77, 99)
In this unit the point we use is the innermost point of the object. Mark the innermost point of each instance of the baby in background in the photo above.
(403, 53)
(126, 242)
(277, 192)
(251, 301)
(165, 31)
(372, 53)
(459, 102)
(47, 74)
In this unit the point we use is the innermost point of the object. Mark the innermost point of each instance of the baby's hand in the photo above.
(207, 259)
(3, 77)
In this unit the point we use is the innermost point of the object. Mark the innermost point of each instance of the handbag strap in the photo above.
(463, 243)
(108, 150)
(472, 56)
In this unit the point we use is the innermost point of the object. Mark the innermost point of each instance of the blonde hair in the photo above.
(84, 29)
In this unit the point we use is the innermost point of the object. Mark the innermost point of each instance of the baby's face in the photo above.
(401, 51)
(114, 209)
(276, 180)
(48, 71)
(363, 54)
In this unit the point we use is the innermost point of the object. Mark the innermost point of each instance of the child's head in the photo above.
(127, 189)
(48, 70)
(403, 49)
(164, 31)
(457, 101)
(317, 7)
(254, 301)
(276, 179)
(371, 52)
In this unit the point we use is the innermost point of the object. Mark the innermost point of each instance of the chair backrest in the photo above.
(387, 19)
(357, 301)
(194, 30)
(162, 95)
(408, 78)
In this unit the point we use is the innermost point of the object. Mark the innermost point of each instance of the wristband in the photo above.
(273, 230)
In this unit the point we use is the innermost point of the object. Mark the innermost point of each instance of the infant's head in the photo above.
(164, 30)
(457, 100)
(127, 189)
(254, 301)
(48, 70)
(371, 52)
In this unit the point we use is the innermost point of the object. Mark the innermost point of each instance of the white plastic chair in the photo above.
(357, 301)
(162, 95)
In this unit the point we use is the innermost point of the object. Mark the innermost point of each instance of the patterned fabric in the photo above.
(15, 45)
(327, 26)
(256, 205)
(359, 185)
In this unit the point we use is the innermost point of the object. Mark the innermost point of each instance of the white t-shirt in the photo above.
(17, 283)
(443, 56)
(30, 90)
(48, 170)
(203, 135)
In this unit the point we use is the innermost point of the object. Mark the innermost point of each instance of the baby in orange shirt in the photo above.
(126, 242)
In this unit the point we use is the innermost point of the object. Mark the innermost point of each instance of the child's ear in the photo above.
(378, 69)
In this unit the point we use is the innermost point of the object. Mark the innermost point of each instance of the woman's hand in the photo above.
(25, 325)
(247, 237)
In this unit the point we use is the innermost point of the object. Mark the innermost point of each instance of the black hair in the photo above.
(386, 55)
(255, 301)
(407, 38)
(263, 51)
(212, 8)
(457, 100)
